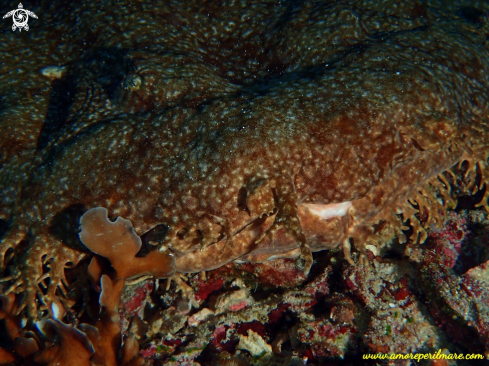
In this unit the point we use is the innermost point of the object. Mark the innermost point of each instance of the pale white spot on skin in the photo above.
(329, 210)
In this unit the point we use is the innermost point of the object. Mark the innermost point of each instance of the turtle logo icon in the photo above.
(20, 17)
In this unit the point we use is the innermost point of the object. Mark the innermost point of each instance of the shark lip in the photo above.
(329, 210)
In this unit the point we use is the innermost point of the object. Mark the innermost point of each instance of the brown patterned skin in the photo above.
(217, 120)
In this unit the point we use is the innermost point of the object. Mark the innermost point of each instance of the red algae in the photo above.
(276, 273)
(255, 326)
(459, 302)
(275, 315)
(137, 296)
(205, 287)
(239, 306)
(219, 341)
(149, 352)
(452, 234)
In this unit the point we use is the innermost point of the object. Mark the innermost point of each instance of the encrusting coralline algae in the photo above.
(168, 169)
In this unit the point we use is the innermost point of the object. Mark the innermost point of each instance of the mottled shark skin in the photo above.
(234, 130)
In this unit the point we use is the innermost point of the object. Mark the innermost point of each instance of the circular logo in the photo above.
(20, 17)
